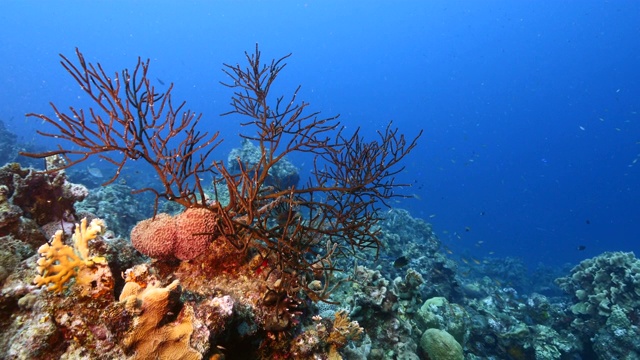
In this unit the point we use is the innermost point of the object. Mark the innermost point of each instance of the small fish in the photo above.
(581, 128)
(467, 229)
(402, 261)
(588, 221)
(95, 172)
(581, 247)
(160, 81)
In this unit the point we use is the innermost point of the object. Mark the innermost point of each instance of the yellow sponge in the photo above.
(58, 262)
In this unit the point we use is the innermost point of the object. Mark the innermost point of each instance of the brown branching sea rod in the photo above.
(299, 231)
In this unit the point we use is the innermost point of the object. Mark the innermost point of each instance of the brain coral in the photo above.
(439, 344)
(166, 237)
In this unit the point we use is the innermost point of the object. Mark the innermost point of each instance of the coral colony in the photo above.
(297, 231)
(280, 240)
(236, 259)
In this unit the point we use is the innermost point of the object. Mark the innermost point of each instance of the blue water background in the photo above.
(530, 109)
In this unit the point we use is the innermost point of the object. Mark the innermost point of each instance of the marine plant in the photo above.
(298, 231)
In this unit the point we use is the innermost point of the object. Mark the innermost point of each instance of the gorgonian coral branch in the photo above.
(131, 121)
(300, 231)
(340, 202)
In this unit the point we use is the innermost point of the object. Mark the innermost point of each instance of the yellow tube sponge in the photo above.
(59, 262)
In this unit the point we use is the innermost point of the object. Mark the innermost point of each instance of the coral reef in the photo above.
(606, 303)
(505, 324)
(215, 305)
(30, 203)
(260, 267)
(606, 280)
(117, 206)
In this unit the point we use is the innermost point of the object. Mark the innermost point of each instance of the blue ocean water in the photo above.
(530, 110)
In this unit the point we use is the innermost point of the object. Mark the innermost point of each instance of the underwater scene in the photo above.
(319, 180)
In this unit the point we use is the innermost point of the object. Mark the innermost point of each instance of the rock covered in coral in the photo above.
(439, 344)
(371, 291)
(8, 145)
(326, 336)
(9, 214)
(41, 325)
(30, 199)
(282, 175)
(43, 197)
(606, 294)
(506, 324)
(35, 333)
(510, 270)
(374, 302)
(117, 206)
(413, 239)
(618, 338)
(12, 252)
(598, 283)
(407, 291)
(438, 313)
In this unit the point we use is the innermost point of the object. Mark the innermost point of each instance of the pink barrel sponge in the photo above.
(184, 236)
(192, 227)
(155, 237)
